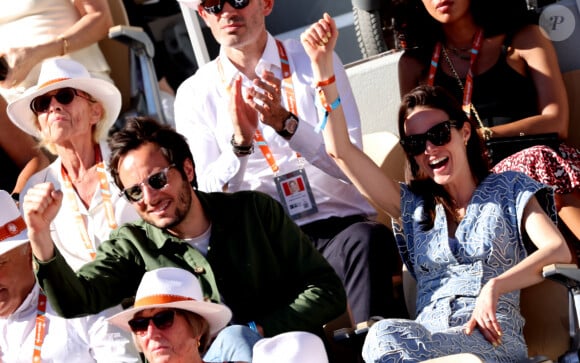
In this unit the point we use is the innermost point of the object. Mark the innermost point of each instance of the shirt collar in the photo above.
(270, 61)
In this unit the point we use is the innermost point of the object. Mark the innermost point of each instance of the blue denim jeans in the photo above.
(232, 344)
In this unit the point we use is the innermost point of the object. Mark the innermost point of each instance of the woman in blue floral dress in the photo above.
(471, 239)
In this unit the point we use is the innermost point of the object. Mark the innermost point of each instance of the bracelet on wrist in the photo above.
(487, 133)
(328, 107)
(326, 82)
(65, 44)
(241, 149)
(253, 326)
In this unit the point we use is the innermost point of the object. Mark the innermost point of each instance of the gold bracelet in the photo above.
(65, 44)
(487, 133)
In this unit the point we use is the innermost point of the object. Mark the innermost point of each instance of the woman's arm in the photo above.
(93, 24)
(534, 47)
(319, 41)
(552, 248)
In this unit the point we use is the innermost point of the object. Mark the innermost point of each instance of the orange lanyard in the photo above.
(40, 326)
(105, 193)
(290, 100)
(468, 88)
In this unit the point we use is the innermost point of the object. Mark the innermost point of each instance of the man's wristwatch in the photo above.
(289, 126)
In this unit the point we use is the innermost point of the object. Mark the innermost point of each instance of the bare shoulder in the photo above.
(410, 71)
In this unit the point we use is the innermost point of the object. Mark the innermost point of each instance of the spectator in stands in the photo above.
(515, 88)
(70, 112)
(170, 320)
(251, 118)
(242, 246)
(462, 231)
(30, 330)
(32, 31)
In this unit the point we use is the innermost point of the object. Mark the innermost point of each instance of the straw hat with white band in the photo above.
(12, 227)
(56, 73)
(171, 287)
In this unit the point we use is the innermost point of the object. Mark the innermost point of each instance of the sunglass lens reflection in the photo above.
(156, 181)
(216, 6)
(161, 320)
(439, 135)
(64, 96)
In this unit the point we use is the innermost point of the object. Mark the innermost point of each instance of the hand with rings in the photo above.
(266, 98)
(484, 315)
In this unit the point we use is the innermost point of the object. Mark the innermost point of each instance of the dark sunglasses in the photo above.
(156, 181)
(64, 96)
(439, 135)
(162, 320)
(216, 6)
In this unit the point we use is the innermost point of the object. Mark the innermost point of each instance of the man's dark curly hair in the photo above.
(142, 130)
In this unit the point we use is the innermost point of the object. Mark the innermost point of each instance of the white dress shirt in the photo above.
(64, 230)
(201, 115)
(79, 340)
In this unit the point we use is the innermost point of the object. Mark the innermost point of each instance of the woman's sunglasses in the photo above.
(162, 320)
(64, 96)
(439, 135)
(156, 181)
(216, 6)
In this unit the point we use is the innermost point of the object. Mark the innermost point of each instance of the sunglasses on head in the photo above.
(64, 96)
(156, 181)
(439, 135)
(162, 320)
(216, 6)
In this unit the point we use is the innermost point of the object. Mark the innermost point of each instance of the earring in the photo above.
(198, 343)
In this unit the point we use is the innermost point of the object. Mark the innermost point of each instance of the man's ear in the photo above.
(268, 6)
(189, 169)
(202, 13)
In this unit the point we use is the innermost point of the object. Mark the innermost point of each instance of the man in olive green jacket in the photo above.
(242, 246)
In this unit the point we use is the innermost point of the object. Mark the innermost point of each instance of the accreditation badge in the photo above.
(295, 194)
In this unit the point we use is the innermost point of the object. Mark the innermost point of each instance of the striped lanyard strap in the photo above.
(105, 193)
(468, 88)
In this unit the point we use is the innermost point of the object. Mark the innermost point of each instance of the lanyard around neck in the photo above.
(105, 194)
(468, 88)
(290, 100)
(39, 326)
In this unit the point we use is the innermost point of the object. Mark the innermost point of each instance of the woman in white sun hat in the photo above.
(70, 112)
(170, 320)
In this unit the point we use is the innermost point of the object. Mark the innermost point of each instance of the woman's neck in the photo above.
(77, 159)
(460, 34)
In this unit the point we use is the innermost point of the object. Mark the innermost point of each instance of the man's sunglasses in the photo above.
(439, 135)
(156, 181)
(162, 320)
(216, 6)
(64, 96)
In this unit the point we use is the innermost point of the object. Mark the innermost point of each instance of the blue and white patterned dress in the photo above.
(450, 274)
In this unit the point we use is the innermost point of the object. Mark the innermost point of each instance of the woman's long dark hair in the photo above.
(419, 32)
(432, 193)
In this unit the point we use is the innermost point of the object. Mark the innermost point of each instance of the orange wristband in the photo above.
(326, 82)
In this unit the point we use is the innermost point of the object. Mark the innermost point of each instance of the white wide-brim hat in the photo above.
(171, 287)
(58, 73)
(291, 347)
(12, 227)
